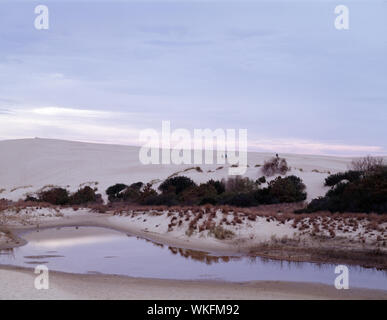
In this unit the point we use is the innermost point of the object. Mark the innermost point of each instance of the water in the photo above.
(99, 250)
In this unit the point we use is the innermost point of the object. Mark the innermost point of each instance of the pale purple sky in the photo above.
(107, 69)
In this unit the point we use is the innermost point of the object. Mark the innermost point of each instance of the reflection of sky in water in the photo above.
(115, 253)
(71, 242)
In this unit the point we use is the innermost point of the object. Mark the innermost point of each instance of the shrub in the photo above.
(366, 194)
(168, 199)
(367, 164)
(137, 185)
(274, 166)
(220, 233)
(218, 185)
(147, 195)
(288, 189)
(261, 180)
(82, 196)
(350, 175)
(238, 199)
(131, 194)
(176, 184)
(114, 191)
(31, 198)
(238, 184)
(56, 196)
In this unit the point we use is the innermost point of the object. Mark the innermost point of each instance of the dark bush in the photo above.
(239, 199)
(31, 198)
(147, 194)
(367, 164)
(176, 184)
(366, 194)
(83, 196)
(137, 185)
(350, 175)
(288, 189)
(167, 199)
(261, 180)
(130, 194)
(56, 196)
(114, 191)
(218, 185)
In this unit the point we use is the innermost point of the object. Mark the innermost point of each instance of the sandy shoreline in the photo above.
(271, 239)
(18, 283)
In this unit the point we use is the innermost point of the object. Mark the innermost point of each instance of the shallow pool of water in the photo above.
(100, 250)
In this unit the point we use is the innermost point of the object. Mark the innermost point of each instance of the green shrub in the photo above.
(218, 185)
(176, 184)
(366, 194)
(167, 199)
(147, 194)
(247, 199)
(137, 185)
(350, 175)
(288, 189)
(114, 191)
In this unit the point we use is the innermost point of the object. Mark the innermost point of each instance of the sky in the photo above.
(104, 70)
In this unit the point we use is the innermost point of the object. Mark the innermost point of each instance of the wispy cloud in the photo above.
(314, 147)
(70, 112)
(124, 128)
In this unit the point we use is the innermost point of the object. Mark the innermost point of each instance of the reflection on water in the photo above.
(202, 256)
(99, 250)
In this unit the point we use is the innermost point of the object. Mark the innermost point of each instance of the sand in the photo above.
(27, 165)
(18, 283)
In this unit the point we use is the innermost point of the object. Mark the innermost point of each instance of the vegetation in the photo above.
(84, 195)
(350, 175)
(367, 164)
(61, 196)
(176, 184)
(354, 191)
(236, 191)
(57, 196)
(275, 165)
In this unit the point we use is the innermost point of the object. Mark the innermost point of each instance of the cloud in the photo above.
(5, 111)
(70, 112)
(124, 128)
(314, 147)
(170, 43)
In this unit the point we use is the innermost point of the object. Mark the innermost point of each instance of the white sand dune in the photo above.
(26, 165)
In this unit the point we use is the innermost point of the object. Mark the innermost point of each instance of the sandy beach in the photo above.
(18, 283)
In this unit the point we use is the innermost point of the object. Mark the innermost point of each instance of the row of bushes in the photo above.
(61, 196)
(354, 191)
(236, 191)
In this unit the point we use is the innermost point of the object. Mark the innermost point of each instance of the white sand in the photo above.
(17, 283)
(155, 226)
(29, 164)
